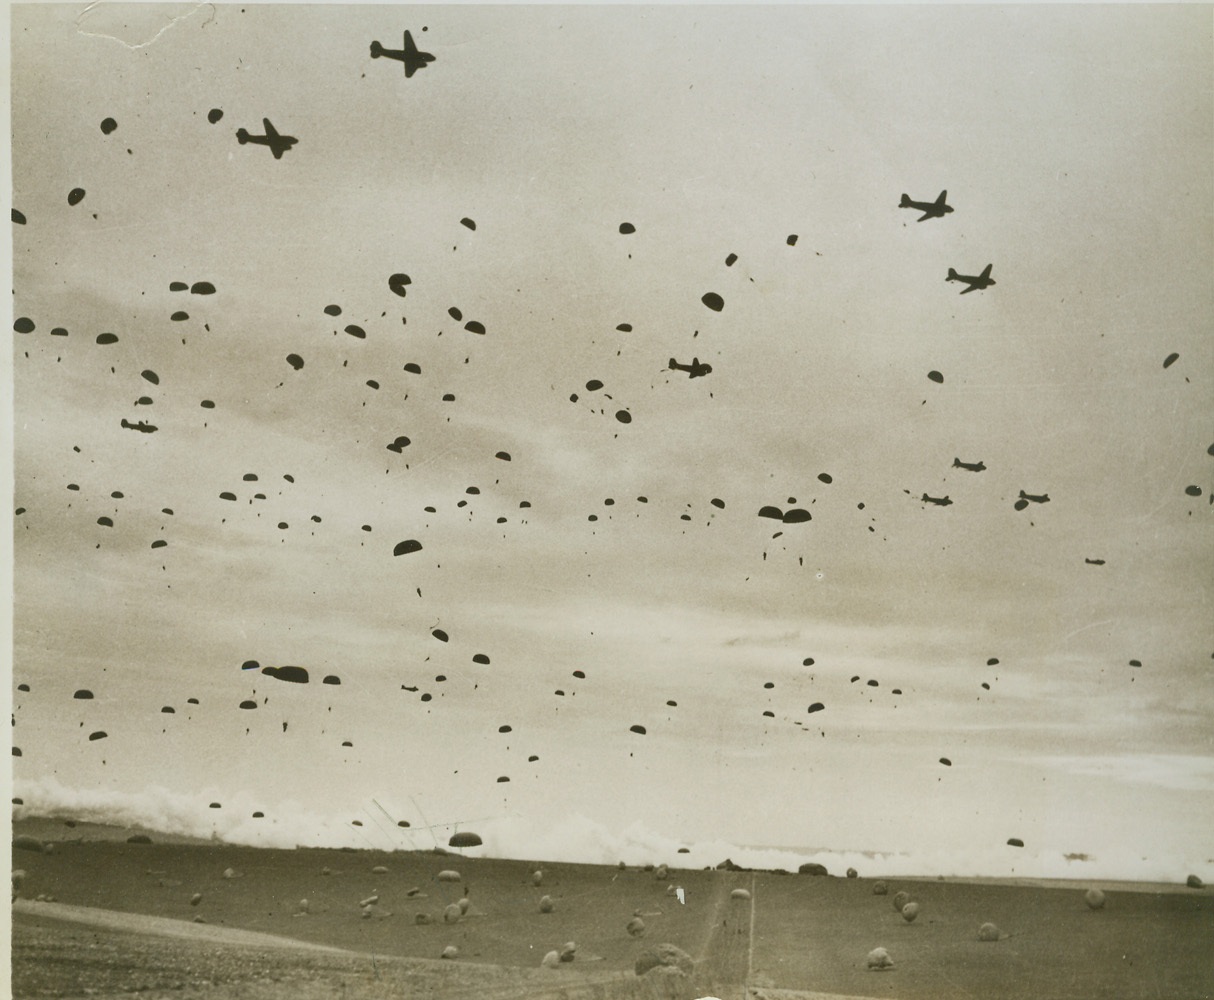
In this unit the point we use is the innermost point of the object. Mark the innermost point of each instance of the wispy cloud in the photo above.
(1181, 772)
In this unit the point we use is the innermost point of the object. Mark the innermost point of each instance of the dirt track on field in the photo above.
(58, 947)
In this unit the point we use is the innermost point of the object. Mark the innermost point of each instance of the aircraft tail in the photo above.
(673, 363)
(952, 275)
(905, 203)
(377, 50)
(242, 136)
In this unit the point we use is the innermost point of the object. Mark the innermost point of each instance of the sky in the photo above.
(601, 647)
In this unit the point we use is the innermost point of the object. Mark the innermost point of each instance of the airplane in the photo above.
(930, 209)
(982, 280)
(694, 370)
(971, 466)
(1043, 498)
(938, 501)
(278, 144)
(146, 428)
(1094, 562)
(409, 55)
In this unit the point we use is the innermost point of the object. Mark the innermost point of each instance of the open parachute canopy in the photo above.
(465, 838)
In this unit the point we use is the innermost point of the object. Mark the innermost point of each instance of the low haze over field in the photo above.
(379, 477)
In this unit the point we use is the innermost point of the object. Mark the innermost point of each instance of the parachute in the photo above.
(465, 838)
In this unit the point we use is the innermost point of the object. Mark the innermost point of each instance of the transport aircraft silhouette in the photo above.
(278, 144)
(694, 370)
(930, 209)
(410, 55)
(975, 281)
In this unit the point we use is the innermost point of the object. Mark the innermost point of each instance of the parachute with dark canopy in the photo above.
(465, 838)
(294, 675)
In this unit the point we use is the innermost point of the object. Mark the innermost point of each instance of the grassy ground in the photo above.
(799, 933)
(504, 925)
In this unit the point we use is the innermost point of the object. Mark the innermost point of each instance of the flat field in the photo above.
(187, 919)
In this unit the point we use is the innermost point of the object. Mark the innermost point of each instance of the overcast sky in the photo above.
(1075, 145)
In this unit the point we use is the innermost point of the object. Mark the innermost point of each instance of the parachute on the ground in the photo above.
(879, 961)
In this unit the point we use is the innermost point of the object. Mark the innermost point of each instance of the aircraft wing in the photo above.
(410, 46)
(929, 214)
(973, 286)
(986, 271)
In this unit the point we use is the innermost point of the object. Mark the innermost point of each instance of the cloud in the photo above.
(1180, 772)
